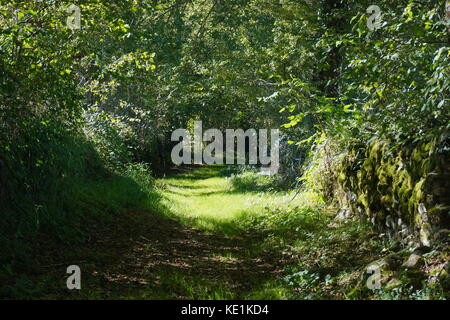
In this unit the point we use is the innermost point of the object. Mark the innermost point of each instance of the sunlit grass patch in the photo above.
(209, 201)
(180, 286)
(225, 258)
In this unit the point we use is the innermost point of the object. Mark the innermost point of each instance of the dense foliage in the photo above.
(82, 104)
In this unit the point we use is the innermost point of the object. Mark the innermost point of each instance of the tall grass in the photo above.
(53, 184)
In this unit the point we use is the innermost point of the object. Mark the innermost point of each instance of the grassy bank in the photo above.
(204, 234)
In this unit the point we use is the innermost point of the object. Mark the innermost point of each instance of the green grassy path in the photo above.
(206, 200)
(193, 245)
(200, 236)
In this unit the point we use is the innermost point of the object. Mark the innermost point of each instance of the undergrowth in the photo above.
(66, 218)
(331, 254)
(225, 230)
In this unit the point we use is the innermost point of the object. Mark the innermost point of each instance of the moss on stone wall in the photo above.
(403, 191)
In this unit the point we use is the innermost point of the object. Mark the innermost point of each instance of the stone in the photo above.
(375, 278)
(393, 283)
(384, 264)
(414, 261)
(422, 209)
(425, 234)
(379, 271)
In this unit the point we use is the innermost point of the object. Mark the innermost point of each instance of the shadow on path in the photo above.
(148, 256)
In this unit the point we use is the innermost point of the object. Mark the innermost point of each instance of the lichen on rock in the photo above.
(403, 191)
